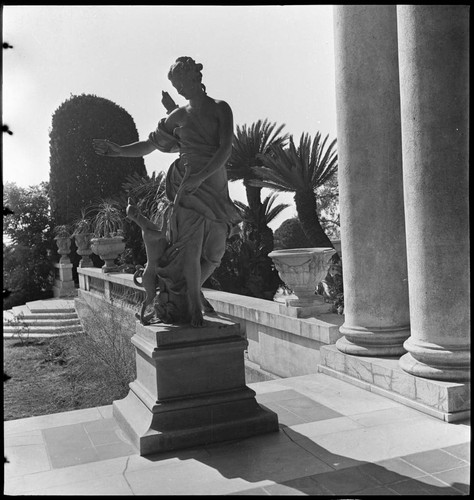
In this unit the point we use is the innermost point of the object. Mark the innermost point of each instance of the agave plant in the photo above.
(301, 170)
(108, 219)
(148, 193)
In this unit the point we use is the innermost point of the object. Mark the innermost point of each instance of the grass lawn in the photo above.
(39, 382)
(56, 375)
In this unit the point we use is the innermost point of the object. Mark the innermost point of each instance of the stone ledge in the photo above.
(447, 401)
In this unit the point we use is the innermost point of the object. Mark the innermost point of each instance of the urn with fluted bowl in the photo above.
(301, 269)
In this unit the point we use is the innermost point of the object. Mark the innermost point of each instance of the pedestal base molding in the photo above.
(190, 389)
(449, 401)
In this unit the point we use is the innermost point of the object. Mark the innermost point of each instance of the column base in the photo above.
(424, 359)
(448, 401)
(361, 341)
(190, 388)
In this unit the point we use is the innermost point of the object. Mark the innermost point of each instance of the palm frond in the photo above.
(248, 143)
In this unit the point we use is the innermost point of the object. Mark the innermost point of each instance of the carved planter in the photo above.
(64, 248)
(301, 269)
(108, 249)
(83, 242)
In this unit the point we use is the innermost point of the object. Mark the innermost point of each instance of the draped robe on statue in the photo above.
(191, 217)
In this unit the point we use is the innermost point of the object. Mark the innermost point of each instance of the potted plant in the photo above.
(107, 226)
(63, 241)
(82, 232)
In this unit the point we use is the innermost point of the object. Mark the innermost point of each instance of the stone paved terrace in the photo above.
(334, 439)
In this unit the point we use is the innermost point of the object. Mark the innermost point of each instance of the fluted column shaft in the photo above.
(434, 82)
(370, 181)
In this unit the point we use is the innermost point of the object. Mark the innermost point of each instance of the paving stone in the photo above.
(432, 461)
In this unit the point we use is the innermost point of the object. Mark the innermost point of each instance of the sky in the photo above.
(272, 62)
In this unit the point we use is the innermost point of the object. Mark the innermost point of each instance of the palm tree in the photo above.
(301, 170)
(248, 146)
(267, 212)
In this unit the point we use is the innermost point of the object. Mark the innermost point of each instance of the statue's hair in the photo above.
(186, 66)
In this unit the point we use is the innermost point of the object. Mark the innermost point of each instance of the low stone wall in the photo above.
(279, 345)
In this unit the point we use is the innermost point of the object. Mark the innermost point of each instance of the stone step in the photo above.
(51, 315)
(42, 310)
(29, 321)
(7, 335)
(27, 329)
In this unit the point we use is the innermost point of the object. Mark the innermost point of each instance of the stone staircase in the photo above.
(41, 319)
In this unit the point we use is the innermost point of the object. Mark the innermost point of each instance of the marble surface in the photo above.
(446, 398)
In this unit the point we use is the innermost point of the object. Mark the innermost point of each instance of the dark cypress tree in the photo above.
(78, 176)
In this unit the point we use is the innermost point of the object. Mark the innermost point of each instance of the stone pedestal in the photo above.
(370, 181)
(300, 308)
(434, 82)
(190, 388)
(64, 284)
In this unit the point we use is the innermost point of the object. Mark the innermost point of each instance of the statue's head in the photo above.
(185, 75)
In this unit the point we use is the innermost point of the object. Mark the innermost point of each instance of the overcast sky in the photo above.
(274, 62)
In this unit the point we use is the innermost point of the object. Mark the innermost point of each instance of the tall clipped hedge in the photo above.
(78, 176)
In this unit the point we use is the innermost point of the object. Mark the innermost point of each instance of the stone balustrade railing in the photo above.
(279, 345)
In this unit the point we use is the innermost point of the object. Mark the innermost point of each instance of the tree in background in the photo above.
(78, 176)
(301, 170)
(249, 145)
(290, 234)
(27, 268)
(245, 268)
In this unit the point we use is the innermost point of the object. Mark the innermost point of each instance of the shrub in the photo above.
(290, 234)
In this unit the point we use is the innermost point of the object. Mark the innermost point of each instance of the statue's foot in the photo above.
(197, 321)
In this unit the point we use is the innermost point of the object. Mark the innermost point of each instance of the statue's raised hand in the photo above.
(104, 147)
(168, 102)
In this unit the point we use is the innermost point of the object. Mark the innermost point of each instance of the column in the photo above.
(434, 82)
(370, 181)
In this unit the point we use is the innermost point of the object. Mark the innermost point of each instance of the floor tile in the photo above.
(277, 395)
(69, 445)
(457, 478)
(54, 420)
(418, 487)
(252, 491)
(432, 461)
(277, 463)
(462, 451)
(285, 417)
(320, 427)
(114, 450)
(308, 409)
(189, 477)
(345, 481)
(23, 439)
(387, 416)
(111, 485)
(391, 471)
(29, 458)
(334, 460)
(373, 444)
(377, 491)
(299, 486)
(30, 483)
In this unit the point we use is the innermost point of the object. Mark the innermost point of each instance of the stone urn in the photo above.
(108, 249)
(64, 248)
(83, 243)
(301, 269)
